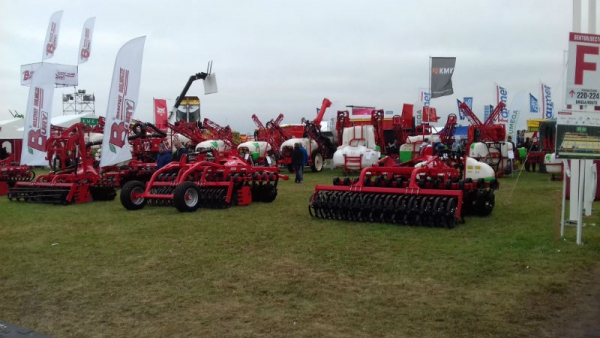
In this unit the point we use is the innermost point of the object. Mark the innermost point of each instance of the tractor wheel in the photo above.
(269, 193)
(317, 160)
(487, 204)
(131, 195)
(186, 197)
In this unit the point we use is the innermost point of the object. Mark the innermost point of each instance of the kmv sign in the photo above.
(583, 70)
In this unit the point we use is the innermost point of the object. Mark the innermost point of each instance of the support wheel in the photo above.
(186, 197)
(131, 195)
(317, 160)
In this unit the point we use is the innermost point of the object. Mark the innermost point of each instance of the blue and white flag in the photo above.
(469, 102)
(547, 104)
(425, 97)
(487, 112)
(533, 104)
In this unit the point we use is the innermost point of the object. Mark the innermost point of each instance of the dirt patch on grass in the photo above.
(580, 317)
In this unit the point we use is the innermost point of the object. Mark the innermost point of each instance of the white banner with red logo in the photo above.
(122, 102)
(502, 96)
(52, 35)
(160, 114)
(64, 75)
(85, 44)
(37, 117)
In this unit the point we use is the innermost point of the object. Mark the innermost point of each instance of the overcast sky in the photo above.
(274, 57)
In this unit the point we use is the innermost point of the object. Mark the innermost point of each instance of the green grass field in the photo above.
(97, 270)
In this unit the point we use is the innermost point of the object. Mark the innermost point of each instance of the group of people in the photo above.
(164, 156)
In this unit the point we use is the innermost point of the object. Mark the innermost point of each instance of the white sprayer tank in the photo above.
(303, 141)
(259, 147)
(217, 144)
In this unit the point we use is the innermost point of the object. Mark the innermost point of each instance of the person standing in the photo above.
(180, 150)
(298, 162)
(304, 161)
(164, 156)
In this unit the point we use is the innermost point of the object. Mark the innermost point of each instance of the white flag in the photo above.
(52, 35)
(122, 102)
(37, 117)
(85, 44)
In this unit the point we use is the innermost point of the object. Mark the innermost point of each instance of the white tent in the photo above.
(9, 129)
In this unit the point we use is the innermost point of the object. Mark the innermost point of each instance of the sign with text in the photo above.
(89, 121)
(583, 70)
(578, 135)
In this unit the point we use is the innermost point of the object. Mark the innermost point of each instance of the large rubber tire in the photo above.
(317, 161)
(186, 197)
(130, 188)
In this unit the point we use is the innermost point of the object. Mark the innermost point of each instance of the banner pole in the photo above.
(430, 77)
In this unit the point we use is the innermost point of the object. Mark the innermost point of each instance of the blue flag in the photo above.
(469, 102)
(533, 104)
(487, 112)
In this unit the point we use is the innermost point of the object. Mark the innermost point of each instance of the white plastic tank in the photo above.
(359, 136)
(553, 165)
(369, 156)
(476, 170)
(309, 145)
(259, 147)
(217, 144)
(489, 152)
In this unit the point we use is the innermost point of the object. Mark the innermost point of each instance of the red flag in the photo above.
(160, 114)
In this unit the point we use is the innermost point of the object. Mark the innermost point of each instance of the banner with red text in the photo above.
(51, 40)
(160, 114)
(37, 117)
(122, 102)
(65, 75)
(85, 43)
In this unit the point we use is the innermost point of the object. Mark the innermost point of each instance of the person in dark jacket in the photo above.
(181, 149)
(304, 161)
(298, 162)
(164, 156)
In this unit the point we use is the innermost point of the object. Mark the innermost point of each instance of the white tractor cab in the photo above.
(358, 149)
(312, 149)
(498, 155)
(410, 149)
(258, 151)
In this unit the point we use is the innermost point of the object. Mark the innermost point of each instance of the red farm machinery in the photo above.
(265, 150)
(319, 146)
(487, 140)
(11, 172)
(430, 191)
(209, 178)
(72, 179)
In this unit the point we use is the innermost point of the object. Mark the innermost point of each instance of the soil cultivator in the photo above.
(73, 178)
(11, 173)
(210, 179)
(426, 191)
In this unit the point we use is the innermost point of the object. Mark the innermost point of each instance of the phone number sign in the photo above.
(583, 70)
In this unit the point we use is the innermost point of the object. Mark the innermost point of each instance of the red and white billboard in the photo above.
(583, 70)
(37, 117)
(51, 41)
(85, 43)
(160, 114)
(122, 102)
(64, 75)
